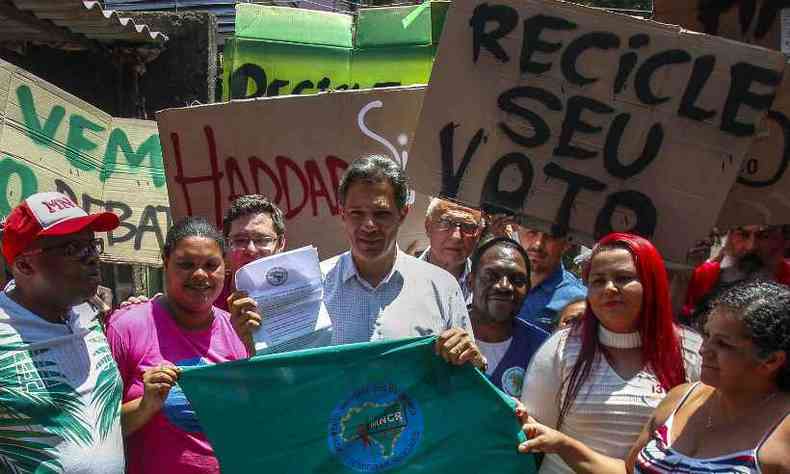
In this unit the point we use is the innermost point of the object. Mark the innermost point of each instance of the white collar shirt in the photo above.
(463, 280)
(414, 299)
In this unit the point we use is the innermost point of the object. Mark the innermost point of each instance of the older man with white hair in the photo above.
(453, 231)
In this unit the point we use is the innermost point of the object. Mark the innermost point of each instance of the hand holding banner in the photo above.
(369, 407)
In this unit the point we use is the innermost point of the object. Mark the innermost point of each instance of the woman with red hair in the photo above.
(599, 381)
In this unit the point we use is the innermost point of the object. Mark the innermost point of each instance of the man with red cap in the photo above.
(60, 391)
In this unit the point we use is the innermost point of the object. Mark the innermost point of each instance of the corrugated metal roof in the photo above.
(225, 11)
(34, 20)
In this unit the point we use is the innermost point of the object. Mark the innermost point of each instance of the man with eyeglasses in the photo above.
(61, 391)
(751, 252)
(254, 227)
(377, 292)
(453, 232)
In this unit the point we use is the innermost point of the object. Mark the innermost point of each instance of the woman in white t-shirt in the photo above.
(600, 380)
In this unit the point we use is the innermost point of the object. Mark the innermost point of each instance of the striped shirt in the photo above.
(414, 299)
(609, 412)
(658, 456)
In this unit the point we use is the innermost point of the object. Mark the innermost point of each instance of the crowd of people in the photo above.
(608, 377)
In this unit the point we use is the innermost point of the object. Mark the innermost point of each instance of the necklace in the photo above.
(763, 401)
(618, 340)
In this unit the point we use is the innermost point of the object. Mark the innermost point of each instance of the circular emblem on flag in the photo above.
(513, 381)
(277, 276)
(375, 429)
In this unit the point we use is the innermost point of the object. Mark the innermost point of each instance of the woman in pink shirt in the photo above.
(152, 340)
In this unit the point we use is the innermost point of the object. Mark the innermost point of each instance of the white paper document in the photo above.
(289, 293)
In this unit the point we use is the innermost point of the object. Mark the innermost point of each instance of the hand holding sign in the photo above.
(244, 317)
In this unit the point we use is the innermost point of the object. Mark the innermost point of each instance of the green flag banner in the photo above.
(390, 406)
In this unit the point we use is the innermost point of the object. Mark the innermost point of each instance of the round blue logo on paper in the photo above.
(276, 276)
(513, 381)
(375, 429)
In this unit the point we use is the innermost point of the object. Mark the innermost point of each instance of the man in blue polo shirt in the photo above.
(552, 286)
(499, 280)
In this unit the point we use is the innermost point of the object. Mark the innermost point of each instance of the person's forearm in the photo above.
(582, 459)
(134, 415)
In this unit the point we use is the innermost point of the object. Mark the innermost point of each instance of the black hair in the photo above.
(477, 255)
(764, 308)
(376, 169)
(253, 204)
(191, 226)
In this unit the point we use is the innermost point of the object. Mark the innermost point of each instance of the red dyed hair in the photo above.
(661, 344)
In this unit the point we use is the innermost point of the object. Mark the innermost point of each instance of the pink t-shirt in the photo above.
(143, 336)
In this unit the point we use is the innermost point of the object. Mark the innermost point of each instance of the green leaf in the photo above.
(45, 402)
(108, 392)
(19, 454)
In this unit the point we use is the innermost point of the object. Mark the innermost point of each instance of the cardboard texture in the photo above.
(761, 194)
(292, 149)
(755, 22)
(281, 51)
(587, 122)
(53, 141)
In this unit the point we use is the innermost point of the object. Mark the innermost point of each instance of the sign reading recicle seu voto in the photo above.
(589, 122)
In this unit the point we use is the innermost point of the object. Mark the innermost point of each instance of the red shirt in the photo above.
(706, 276)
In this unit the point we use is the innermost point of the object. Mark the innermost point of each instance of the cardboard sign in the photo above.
(749, 21)
(282, 51)
(761, 194)
(53, 141)
(292, 149)
(588, 122)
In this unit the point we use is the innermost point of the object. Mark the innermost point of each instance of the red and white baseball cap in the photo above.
(45, 214)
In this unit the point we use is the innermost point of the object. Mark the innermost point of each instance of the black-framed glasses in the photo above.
(76, 249)
(263, 242)
(466, 228)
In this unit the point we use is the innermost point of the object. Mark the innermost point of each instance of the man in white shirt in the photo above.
(375, 291)
(61, 391)
(453, 231)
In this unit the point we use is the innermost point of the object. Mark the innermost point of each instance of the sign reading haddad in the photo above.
(588, 122)
(292, 149)
(53, 141)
